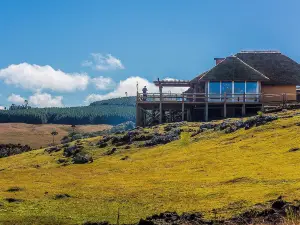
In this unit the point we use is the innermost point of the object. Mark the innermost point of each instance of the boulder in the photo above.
(102, 144)
(71, 151)
(82, 159)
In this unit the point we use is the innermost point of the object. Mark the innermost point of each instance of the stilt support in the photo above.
(244, 110)
(206, 111)
(138, 116)
(188, 115)
(160, 113)
(182, 109)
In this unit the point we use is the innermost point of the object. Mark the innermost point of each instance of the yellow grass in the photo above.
(227, 172)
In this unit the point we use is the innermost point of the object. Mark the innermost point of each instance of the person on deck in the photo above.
(145, 93)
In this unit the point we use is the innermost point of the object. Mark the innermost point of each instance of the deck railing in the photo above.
(218, 98)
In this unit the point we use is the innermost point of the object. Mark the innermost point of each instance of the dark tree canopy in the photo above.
(104, 114)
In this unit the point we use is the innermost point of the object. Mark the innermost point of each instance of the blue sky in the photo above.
(67, 53)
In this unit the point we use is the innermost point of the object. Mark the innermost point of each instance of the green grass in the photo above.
(213, 170)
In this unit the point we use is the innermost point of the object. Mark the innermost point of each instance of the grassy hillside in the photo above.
(37, 135)
(122, 101)
(212, 170)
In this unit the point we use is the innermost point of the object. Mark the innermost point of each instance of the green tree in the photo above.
(54, 133)
(73, 128)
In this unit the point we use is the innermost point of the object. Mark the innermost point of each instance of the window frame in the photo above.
(258, 86)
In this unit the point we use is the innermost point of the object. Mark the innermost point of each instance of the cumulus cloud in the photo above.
(103, 83)
(2, 107)
(16, 99)
(45, 100)
(103, 62)
(129, 86)
(38, 100)
(35, 77)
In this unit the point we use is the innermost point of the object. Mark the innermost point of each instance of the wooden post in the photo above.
(138, 121)
(188, 114)
(182, 110)
(262, 102)
(284, 100)
(160, 105)
(194, 93)
(225, 109)
(244, 105)
(206, 111)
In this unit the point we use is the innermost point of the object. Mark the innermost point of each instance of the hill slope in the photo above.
(38, 135)
(212, 170)
(122, 101)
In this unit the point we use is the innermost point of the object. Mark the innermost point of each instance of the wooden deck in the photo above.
(185, 102)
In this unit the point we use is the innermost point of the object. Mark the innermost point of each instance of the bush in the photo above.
(12, 149)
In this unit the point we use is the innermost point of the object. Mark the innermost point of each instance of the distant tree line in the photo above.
(24, 106)
(113, 111)
(104, 114)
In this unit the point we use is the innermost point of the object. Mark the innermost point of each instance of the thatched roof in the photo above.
(270, 67)
(279, 68)
(232, 68)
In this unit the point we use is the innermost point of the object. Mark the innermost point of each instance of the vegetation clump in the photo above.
(13, 149)
(230, 126)
(110, 152)
(14, 189)
(52, 149)
(77, 154)
(13, 200)
(172, 135)
(81, 158)
(118, 129)
(61, 196)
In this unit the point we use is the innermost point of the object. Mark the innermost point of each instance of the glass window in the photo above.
(214, 91)
(251, 87)
(226, 87)
(251, 92)
(214, 88)
(239, 87)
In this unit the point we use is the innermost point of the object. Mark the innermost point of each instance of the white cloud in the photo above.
(16, 99)
(35, 77)
(2, 107)
(103, 62)
(129, 86)
(103, 83)
(45, 100)
(38, 100)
